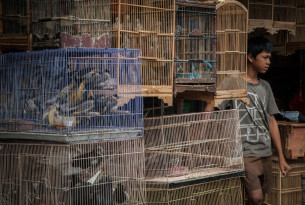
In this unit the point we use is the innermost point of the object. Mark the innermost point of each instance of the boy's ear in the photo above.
(250, 57)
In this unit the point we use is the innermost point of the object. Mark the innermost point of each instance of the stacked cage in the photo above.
(232, 27)
(79, 132)
(273, 15)
(15, 26)
(286, 190)
(195, 46)
(70, 23)
(185, 149)
(300, 22)
(148, 25)
(106, 172)
(71, 92)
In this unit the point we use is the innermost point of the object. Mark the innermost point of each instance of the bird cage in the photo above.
(221, 191)
(232, 21)
(70, 23)
(300, 23)
(273, 15)
(286, 190)
(107, 172)
(148, 25)
(284, 15)
(71, 92)
(195, 49)
(15, 25)
(190, 146)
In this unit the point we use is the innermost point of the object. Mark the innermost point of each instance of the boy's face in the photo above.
(261, 63)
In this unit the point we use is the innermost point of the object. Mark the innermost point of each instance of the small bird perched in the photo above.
(89, 160)
(98, 80)
(178, 30)
(115, 26)
(109, 104)
(83, 108)
(120, 195)
(30, 106)
(139, 26)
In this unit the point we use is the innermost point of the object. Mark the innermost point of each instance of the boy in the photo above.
(257, 123)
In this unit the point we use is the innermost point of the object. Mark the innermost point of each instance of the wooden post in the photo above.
(1, 18)
(119, 24)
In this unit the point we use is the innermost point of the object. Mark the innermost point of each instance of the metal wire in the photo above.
(108, 173)
(181, 147)
(71, 90)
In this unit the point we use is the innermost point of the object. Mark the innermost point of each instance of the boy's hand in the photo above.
(285, 168)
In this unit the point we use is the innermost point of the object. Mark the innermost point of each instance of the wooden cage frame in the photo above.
(188, 37)
(14, 41)
(231, 41)
(157, 66)
(271, 24)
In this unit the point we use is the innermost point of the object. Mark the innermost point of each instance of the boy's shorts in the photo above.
(258, 174)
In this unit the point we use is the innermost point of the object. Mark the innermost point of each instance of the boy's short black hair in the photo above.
(258, 44)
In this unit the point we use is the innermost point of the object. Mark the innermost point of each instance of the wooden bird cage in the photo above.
(67, 94)
(106, 172)
(148, 25)
(195, 46)
(15, 32)
(190, 146)
(70, 23)
(273, 15)
(300, 23)
(217, 191)
(286, 190)
(232, 26)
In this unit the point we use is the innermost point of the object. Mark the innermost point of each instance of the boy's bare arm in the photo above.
(275, 135)
(208, 108)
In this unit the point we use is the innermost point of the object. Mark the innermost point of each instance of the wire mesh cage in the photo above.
(15, 25)
(107, 172)
(215, 192)
(183, 147)
(195, 39)
(148, 25)
(70, 23)
(232, 26)
(71, 90)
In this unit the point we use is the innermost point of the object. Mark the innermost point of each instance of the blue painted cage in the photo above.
(71, 90)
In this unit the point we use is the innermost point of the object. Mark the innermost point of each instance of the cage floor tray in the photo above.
(93, 135)
(194, 175)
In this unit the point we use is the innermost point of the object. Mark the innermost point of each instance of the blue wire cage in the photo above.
(71, 90)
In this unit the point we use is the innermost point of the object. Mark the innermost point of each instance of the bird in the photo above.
(83, 108)
(116, 24)
(98, 81)
(120, 194)
(126, 42)
(30, 106)
(89, 159)
(178, 30)
(139, 26)
(104, 196)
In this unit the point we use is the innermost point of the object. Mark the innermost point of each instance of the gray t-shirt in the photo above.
(254, 119)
